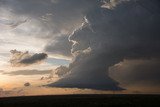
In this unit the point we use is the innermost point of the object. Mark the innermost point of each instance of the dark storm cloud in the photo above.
(28, 72)
(128, 31)
(19, 58)
(34, 58)
(59, 45)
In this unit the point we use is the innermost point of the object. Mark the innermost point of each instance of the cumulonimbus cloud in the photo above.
(128, 31)
(19, 58)
(59, 46)
(112, 30)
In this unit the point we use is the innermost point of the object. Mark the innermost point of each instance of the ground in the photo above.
(82, 101)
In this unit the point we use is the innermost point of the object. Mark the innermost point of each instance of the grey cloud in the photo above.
(110, 4)
(52, 18)
(12, 24)
(28, 72)
(58, 72)
(1, 71)
(12, 92)
(1, 92)
(59, 45)
(137, 72)
(27, 84)
(19, 58)
(62, 12)
(1, 89)
(34, 58)
(130, 30)
(61, 71)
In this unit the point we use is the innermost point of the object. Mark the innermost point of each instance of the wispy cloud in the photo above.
(12, 24)
(28, 72)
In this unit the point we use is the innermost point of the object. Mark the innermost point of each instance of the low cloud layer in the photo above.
(19, 58)
(28, 72)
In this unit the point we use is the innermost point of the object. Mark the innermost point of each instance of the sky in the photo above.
(79, 46)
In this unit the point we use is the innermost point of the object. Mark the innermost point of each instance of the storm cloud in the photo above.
(97, 34)
(19, 58)
(130, 30)
(59, 46)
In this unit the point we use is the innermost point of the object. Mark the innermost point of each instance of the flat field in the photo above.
(121, 100)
